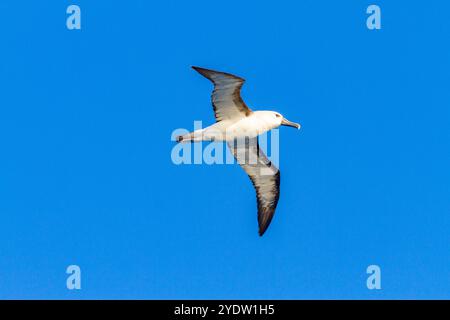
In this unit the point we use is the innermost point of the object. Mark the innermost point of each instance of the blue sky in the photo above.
(86, 175)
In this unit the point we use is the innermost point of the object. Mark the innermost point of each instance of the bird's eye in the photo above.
(277, 115)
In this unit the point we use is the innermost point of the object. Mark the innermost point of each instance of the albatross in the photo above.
(240, 127)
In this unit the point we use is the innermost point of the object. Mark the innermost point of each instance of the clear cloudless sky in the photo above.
(86, 175)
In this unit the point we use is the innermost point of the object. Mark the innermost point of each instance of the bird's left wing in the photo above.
(264, 176)
(226, 96)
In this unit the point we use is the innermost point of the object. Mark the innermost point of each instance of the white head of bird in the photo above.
(272, 119)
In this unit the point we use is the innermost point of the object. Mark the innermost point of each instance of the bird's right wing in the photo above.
(264, 176)
(226, 96)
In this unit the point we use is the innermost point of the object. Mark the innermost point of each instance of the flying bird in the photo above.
(239, 127)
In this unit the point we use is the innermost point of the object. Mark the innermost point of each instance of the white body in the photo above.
(251, 126)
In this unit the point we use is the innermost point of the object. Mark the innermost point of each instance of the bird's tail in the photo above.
(194, 136)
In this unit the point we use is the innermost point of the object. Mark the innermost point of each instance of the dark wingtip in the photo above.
(262, 230)
(198, 69)
(202, 71)
(207, 73)
(265, 216)
(263, 225)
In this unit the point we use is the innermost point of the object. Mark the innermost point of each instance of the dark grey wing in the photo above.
(226, 96)
(264, 176)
